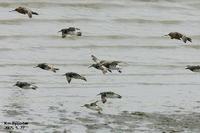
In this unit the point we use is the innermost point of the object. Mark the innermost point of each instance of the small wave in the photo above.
(73, 37)
(5, 49)
(27, 36)
(180, 84)
(69, 20)
(132, 20)
(92, 5)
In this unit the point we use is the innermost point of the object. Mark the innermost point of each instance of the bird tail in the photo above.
(119, 96)
(104, 71)
(55, 69)
(189, 39)
(109, 70)
(79, 34)
(185, 39)
(35, 13)
(34, 87)
(83, 78)
(187, 67)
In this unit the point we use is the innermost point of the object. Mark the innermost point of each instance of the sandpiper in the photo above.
(71, 75)
(108, 94)
(93, 106)
(24, 10)
(25, 85)
(70, 31)
(179, 36)
(110, 65)
(193, 68)
(46, 66)
(100, 67)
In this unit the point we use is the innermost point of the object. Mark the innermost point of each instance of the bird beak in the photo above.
(186, 67)
(90, 66)
(14, 85)
(83, 106)
(166, 35)
(11, 10)
(35, 66)
(63, 75)
(59, 31)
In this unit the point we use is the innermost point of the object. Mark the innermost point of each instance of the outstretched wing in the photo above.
(95, 59)
(94, 103)
(78, 76)
(68, 79)
(29, 13)
(184, 38)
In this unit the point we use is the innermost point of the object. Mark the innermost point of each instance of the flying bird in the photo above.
(179, 36)
(93, 106)
(108, 94)
(110, 65)
(48, 67)
(25, 85)
(72, 75)
(70, 31)
(193, 68)
(24, 11)
(100, 67)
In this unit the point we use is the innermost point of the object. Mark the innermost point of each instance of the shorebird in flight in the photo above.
(70, 31)
(47, 67)
(72, 75)
(24, 11)
(193, 68)
(108, 94)
(25, 85)
(179, 36)
(110, 65)
(93, 106)
(100, 67)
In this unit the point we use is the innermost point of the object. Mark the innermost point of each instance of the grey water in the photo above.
(158, 93)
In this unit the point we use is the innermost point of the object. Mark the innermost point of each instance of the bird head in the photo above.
(17, 83)
(61, 30)
(187, 67)
(189, 39)
(93, 65)
(13, 10)
(167, 34)
(64, 74)
(85, 105)
(36, 66)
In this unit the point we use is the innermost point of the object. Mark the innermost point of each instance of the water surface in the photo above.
(158, 94)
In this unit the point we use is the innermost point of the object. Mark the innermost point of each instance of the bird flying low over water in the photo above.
(109, 65)
(100, 67)
(179, 36)
(112, 65)
(193, 68)
(24, 10)
(71, 75)
(108, 94)
(93, 106)
(25, 85)
(70, 31)
(48, 67)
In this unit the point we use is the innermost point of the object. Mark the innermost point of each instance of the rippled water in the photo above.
(158, 94)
